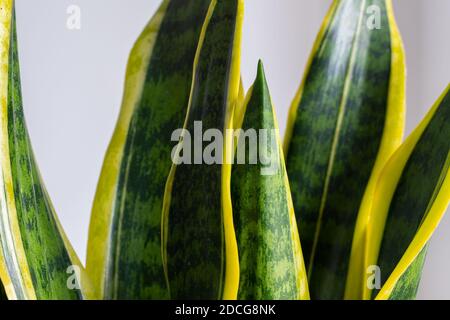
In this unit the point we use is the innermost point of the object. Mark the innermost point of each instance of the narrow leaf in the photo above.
(200, 245)
(410, 200)
(36, 259)
(345, 122)
(270, 258)
(124, 254)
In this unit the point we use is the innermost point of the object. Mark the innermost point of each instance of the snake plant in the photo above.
(345, 122)
(36, 258)
(270, 255)
(124, 253)
(344, 209)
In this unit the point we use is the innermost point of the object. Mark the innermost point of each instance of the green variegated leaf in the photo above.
(410, 200)
(124, 254)
(345, 122)
(36, 260)
(408, 284)
(270, 258)
(200, 246)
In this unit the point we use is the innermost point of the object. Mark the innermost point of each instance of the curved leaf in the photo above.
(408, 284)
(36, 259)
(270, 258)
(124, 253)
(345, 122)
(200, 245)
(410, 200)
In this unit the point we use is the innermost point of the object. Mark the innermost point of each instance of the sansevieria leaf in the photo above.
(270, 257)
(411, 198)
(124, 254)
(200, 246)
(36, 260)
(345, 122)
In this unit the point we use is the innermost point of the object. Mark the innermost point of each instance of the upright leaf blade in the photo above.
(270, 258)
(410, 200)
(200, 248)
(124, 254)
(345, 122)
(37, 261)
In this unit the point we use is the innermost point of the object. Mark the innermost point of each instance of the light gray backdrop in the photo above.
(72, 85)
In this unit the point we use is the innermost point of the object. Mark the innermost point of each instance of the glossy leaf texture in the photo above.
(270, 257)
(410, 200)
(200, 246)
(36, 259)
(125, 254)
(345, 122)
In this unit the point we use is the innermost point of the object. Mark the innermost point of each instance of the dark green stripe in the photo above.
(261, 212)
(357, 141)
(195, 249)
(415, 192)
(46, 254)
(147, 158)
(2, 292)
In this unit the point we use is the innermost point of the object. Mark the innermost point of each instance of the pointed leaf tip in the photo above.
(261, 75)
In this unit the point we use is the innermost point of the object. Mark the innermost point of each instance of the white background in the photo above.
(73, 80)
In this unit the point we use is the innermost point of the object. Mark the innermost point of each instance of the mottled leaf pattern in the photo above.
(220, 231)
(133, 262)
(196, 218)
(46, 254)
(45, 248)
(271, 266)
(408, 285)
(335, 135)
(422, 179)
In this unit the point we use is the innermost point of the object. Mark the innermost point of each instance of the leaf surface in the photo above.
(410, 201)
(200, 245)
(345, 122)
(270, 258)
(36, 259)
(125, 249)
